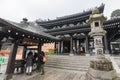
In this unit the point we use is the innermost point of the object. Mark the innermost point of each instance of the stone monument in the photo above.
(100, 68)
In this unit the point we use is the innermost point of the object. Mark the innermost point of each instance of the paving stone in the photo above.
(58, 74)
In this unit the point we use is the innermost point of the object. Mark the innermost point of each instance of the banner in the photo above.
(4, 56)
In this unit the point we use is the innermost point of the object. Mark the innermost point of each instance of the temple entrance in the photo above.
(66, 46)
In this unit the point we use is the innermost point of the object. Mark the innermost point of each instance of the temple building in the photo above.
(67, 35)
(73, 32)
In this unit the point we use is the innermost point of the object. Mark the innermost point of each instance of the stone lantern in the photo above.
(97, 32)
(100, 68)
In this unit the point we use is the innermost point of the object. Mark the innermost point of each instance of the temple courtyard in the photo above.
(81, 46)
(65, 68)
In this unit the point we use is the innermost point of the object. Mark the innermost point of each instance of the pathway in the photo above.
(53, 74)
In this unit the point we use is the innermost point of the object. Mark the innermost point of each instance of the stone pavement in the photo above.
(53, 74)
(62, 68)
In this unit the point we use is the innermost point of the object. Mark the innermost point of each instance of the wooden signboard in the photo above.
(29, 41)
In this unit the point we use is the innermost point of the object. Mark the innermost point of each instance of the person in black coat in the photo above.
(29, 63)
(41, 63)
(35, 61)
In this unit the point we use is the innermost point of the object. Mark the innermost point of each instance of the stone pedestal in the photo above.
(93, 74)
(101, 69)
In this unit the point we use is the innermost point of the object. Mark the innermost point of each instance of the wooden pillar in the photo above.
(61, 47)
(87, 44)
(0, 45)
(74, 43)
(71, 45)
(78, 46)
(24, 52)
(0, 42)
(56, 44)
(55, 47)
(11, 61)
(23, 57)
(106, 44)
(39, 47)
(74, 46)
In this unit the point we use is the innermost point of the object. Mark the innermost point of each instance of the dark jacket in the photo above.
(29, 60)
(40, 58)
(35, 56)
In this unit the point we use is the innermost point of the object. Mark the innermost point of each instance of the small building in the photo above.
(18, 38)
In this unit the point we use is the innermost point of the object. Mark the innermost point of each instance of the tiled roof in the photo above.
(30, 27)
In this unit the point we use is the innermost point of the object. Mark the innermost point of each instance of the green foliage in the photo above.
(115, 13)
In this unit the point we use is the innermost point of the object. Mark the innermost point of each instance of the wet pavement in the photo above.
(53, 74)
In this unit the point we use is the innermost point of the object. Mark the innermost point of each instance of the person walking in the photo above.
(29, 63)
(41, 62)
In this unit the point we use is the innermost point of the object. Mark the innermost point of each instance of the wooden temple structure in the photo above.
(13, 35)
(73, 31)
(70, 34)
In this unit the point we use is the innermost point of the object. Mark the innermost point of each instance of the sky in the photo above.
(15, 10)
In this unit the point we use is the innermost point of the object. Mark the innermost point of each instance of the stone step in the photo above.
(70, 57)
(77, 63)
(54, 59)
(76, 67)
(62, 64)
(68, 68)
(67, 59)
(67, 62)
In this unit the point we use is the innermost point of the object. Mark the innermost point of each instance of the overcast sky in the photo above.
(15, 10)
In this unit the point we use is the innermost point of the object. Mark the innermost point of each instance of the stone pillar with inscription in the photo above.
(100, 68)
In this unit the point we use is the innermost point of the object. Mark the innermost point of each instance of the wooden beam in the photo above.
(11, 61)
(39, 47)
(32, 48)
(24, 52)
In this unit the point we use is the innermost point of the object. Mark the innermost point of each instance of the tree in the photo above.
(115, 13)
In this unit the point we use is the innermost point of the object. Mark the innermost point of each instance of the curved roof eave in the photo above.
(70, 17)
(26, 30)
